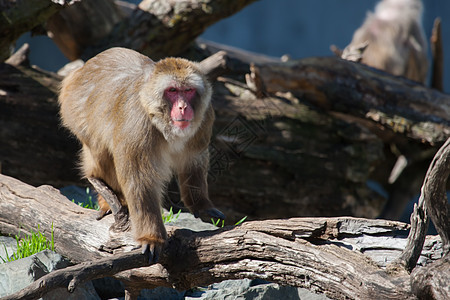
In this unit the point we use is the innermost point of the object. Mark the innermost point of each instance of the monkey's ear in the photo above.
(355, 52)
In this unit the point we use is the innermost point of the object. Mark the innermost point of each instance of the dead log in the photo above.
(314, 253)
(361, 92)
(19, 17)
(82, 24)
(156, 28)
(323, 158)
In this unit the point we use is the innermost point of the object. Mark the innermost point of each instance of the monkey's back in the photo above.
(93, 98)
(396, 40)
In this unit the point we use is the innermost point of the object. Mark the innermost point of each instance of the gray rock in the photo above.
(18, 274)
(305, 294)
(161, 293)
(187, 220)
(247, 289)
(8, 246)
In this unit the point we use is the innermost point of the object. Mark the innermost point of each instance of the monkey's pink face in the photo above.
(181, 99)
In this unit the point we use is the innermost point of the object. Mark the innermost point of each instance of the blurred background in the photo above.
(299, 28)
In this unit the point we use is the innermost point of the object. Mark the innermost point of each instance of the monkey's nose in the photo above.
(182, 106)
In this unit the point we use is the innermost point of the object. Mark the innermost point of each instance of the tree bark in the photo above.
(82, 24)
(19, 17)
(360, 91)
(314, 253)
(72, 276)
(433, 203)
(433, 280)
(156, 28)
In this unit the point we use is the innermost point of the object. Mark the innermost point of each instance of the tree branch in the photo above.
(435, 193)
(431, 281)
(160, 28)
(73, 276)
(18, 17)
(432, 202)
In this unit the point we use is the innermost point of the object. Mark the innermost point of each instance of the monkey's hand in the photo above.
(212, 212)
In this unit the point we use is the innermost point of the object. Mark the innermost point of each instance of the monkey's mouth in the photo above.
(181, 123)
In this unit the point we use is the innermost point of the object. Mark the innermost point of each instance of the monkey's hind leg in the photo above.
(194, 189)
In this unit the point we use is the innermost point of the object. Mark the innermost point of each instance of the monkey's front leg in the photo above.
(194, 188)
(146, 220)
(142, 194)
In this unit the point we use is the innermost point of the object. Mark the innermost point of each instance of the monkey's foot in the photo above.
(153, 249)
(212, 212)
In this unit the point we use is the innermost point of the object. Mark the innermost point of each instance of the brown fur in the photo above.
(396, 39)
(114, 104)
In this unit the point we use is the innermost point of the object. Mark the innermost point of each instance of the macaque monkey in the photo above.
(139, 122)
(392, 39)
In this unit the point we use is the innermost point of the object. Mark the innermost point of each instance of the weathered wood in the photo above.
(20, 57)
(435, 191)
(18, 17)
(120, 213)
(416, 238)
(433, 280)
(360, 91)
(82, 24)
(432, 204)
(160, 28)
(314, 253)
(72, 276)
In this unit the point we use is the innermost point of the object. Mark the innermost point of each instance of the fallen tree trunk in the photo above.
(359, 91)
(305, 252)
(326, 255)
(323, 159)
(156, 28)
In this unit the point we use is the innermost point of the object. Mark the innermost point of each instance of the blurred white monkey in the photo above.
(392, 39)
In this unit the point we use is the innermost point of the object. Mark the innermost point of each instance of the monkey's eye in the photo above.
(188, 90)
(172, 90)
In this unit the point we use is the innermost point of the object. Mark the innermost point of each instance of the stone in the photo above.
(8, 246)
(188, 221)
(18, 274)
(256, 289)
